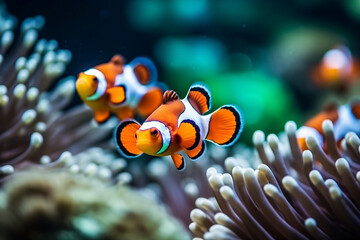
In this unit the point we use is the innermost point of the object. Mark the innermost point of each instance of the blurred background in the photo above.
(277, 60)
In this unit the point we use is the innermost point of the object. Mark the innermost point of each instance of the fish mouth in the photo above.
(146, 146)
(85, 87)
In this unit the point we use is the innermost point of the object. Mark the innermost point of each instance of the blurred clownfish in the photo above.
(120, 89)
(337, 69)
(345, 118)
(179, 128)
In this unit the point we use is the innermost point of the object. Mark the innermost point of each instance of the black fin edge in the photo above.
(200, 153)
(120, 147)
(197, 129)
(238, 127)
(204, 91)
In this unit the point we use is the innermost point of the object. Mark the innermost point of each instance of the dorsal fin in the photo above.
(199, 98)
(144, 70)
(170, 95)
(117, 59)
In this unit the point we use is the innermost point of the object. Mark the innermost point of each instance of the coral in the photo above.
(37, 125)
(293, 195)
(61, 205)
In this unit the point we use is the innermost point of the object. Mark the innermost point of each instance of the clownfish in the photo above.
(337, 69)
(120, 89)
(345, 118)
(179, 128)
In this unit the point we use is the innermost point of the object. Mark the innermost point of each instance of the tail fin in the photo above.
(225, 125)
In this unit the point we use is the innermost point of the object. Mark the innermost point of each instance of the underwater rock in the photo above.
(292, 195)
(38, 125)
(61, 205)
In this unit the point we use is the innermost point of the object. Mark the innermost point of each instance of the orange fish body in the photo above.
(345, 118)
(179, 128)
(120, 89)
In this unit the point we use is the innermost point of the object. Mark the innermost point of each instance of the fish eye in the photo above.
(154, 132)
(95, 79)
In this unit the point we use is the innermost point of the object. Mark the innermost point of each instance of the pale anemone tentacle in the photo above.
(101, 88)
(313, 195)
(37, 125)
(164, 131)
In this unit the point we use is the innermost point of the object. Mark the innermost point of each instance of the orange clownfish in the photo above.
(120, 89)
(345, 118)
(179, 128)
(337, 69)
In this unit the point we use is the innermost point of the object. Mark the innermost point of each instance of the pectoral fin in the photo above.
(125, 138)
(117, 95)
(178, 161)
(189, 134)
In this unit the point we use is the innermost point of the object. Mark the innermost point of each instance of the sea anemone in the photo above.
(179, 190)
(60, 205)
(292, 195)
(99, 163)
(34, 127)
